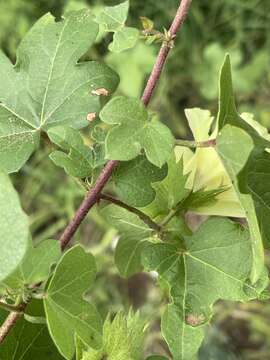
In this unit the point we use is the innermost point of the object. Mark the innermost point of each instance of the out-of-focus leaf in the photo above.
(35, 266)
(14, 230)
(113, 19)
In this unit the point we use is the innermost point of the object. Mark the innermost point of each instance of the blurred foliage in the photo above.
(190, 79)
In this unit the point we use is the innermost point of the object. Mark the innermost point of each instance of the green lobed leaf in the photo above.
(113, 19)
(14, 229)
(122, 339)
(35, 267)
(47, 86)
(234, 147)
(27, 341)
(133, 181)
(134, 131)
(134, 234)
(124, 39)
(235, 144)
(78, 160)
(157, 357)
(68, 314)
(255, 180)
(214, 263)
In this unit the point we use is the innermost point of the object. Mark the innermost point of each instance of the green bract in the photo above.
(122, 339)
(134, 132)
(47, 86)
(171, 191)
(227, 109)
(14, 231)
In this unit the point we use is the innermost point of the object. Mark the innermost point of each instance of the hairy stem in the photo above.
(10, 321)
(90, 199)
(164, 51)
(94, 193)
(9, 307)
(146, 219)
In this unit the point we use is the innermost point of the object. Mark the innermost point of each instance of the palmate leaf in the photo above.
(133, 181)
(255, 179)
(27, 341)
(14, 230)
(214, 263)
(77, 159)
(35, 266)
(234, 146)
(134, 234)
(238, 139)
(134, 132)
(68, 314)
(113, 19)
(47, 86)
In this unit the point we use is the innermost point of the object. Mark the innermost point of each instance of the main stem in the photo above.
(93, 195)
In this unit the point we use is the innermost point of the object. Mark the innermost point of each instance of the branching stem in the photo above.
(10, 321)
(146, 219)
(9, 307)
(94, 194)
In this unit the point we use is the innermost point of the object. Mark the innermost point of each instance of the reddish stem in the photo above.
(90, 199)
(10, 321)
(93, 195)
(178, 21)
